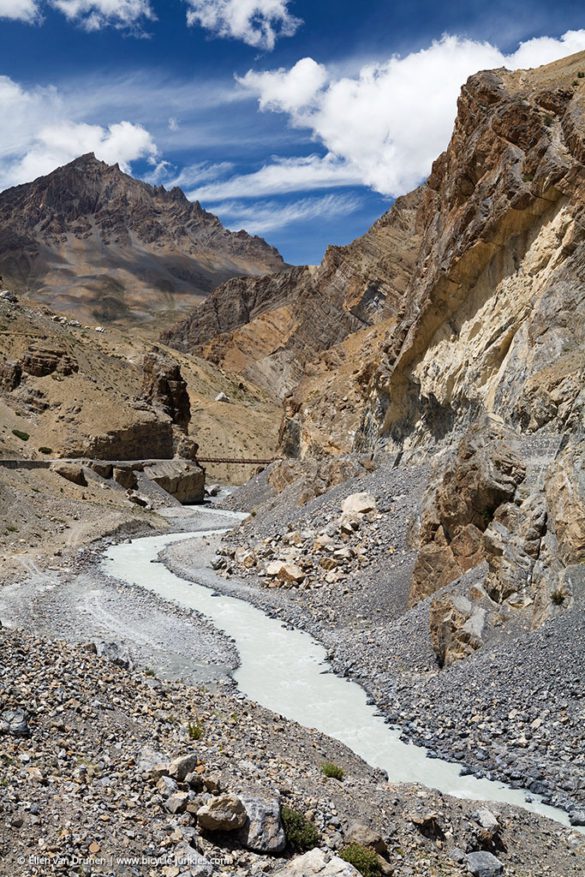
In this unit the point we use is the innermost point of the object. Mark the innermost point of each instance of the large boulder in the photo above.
(224, 813)
(318, 863)
(263, 833)
(483, 864)
(183, 479)
(181, 767)
(125, 476)
(72, 472)
(359, 504)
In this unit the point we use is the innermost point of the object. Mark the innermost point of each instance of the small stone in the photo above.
(177, 802)
(183, 765)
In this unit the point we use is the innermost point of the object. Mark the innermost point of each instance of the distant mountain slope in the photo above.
(268, 328)
(92, 241)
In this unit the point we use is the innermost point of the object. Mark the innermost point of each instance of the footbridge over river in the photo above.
(24, 463)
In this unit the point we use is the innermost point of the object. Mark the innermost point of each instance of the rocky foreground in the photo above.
(489, 679)
(105, 770)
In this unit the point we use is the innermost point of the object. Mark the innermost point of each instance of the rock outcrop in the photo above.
(182, 479)
(165, 389)
(494, 311)
(481, 475)
(41, 360)
(268, 329)
(153, 254)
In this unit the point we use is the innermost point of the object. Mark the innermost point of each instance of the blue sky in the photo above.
(300, 121)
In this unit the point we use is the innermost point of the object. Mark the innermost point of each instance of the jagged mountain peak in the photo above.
(92, 239)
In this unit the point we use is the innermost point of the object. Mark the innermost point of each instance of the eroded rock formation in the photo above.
(165, 389)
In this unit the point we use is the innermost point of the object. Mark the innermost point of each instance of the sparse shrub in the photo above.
(148, 671)
(580, 75)
(301, 834)
(23, 436)
(332, 771)
(487, 517)
(548, 120)
(558, 597)
(45, 450)
(365, 860)
(195, 731)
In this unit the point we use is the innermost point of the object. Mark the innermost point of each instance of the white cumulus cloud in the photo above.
(384, 126)
(95, 14)
(19, 10)
(41, 135)
(255, 22)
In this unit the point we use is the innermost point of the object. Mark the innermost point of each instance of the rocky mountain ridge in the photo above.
(92, 241)
(272, 329)
(466, 297)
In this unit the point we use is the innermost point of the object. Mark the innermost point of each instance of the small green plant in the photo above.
(332, 771)
(580, 75)
(301, 834)
(365, 860)
(23, 436)
(11, 529)
(45, 450)
(148, 671)
(195, 731)
(487, 517)
(557, 597)
(548, 120)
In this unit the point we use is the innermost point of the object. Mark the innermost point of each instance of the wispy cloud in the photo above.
(283, 175)
(262, 217)
(255, 22)
(166, 173)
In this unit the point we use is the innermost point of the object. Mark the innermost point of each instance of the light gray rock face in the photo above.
(264, 832)
(482, 864)
(317, 863)
(225, 813)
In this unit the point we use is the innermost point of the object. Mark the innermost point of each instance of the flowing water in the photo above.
(287, 672)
